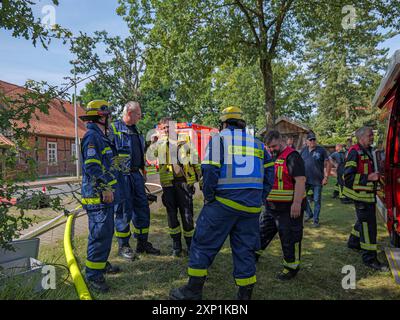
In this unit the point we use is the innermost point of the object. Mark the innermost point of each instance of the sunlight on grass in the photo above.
(324, 253)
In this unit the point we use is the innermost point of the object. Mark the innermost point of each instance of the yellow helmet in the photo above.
(96, 109)
(231, 113)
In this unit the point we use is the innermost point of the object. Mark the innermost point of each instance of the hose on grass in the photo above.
(79, 282)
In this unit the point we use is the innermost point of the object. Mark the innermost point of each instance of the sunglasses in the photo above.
(312, 139)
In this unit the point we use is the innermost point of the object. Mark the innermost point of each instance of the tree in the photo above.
(241, 85)
(17, 16)
(16, 110)
(118, 77)
(118, 73)
(344, 82)
(94, 91)
(207, 32)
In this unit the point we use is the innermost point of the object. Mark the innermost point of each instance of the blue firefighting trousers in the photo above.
(101, 228)
(135, 208)
(215, 223)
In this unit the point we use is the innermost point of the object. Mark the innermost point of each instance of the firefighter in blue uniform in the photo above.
(237, 176)
(130, 147)
(99, 193)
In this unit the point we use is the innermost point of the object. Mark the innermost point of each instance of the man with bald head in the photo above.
(130, 146)
(360, 181)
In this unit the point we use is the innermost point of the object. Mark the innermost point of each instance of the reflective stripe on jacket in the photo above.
(243, 166)
(357, 167)
(187, 156)
(121, 139)
(283, 188)
(98, 170)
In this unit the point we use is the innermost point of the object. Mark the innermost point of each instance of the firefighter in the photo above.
(99, 193)
(237, 176)
(130, 147)
(179, 170)
(337, 158)
(360, 186)
(285, 205)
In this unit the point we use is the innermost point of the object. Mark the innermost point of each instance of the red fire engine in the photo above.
(197, 134)
(387, 160)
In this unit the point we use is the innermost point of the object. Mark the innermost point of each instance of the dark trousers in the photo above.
(339, 183)
(101, 229)
(135, 208)
(141, 209)
(179, 198)
(364, 232)
(278, 220)
(215, 223)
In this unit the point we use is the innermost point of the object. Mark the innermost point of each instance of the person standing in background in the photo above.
(318, 167)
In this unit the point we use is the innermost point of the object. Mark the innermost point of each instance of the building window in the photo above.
(73, 151)
(51, 152)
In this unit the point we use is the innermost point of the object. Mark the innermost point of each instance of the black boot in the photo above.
(110, 269)
(177, 247)
(127, 253)
(377, 265)
(346, 201)
(98, 285)
(287, 274)
(245, 292)
(192, 291)
(353, 243)
(146, 247)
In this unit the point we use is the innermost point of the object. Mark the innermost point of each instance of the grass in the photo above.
(324, 254)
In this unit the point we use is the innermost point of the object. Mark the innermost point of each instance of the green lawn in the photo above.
(324, 255)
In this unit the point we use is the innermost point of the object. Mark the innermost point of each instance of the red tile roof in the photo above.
(4, 142)
(60, 120)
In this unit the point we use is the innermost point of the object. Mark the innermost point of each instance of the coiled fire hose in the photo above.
(79, 282)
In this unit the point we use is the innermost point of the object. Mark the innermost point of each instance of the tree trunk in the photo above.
(269, 92)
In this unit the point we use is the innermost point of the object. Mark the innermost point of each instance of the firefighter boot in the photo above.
(377, 265)
(244, 293)
(192, 291)
(146, 247)
(127, 253)
(110, 269)
(98, 285)
(177, 247)
(354, 243)
(287, 274)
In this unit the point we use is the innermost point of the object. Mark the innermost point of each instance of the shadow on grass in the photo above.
(324, 254)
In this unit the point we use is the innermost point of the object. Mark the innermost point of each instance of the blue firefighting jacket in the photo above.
(98, 170)
(121, 138)
(237, 171)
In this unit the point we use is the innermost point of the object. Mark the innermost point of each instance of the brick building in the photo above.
(50, 149)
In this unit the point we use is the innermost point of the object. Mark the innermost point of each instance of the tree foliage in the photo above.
(196, 37)
(17, 109)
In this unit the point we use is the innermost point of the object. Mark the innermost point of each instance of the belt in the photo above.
(135, 169)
